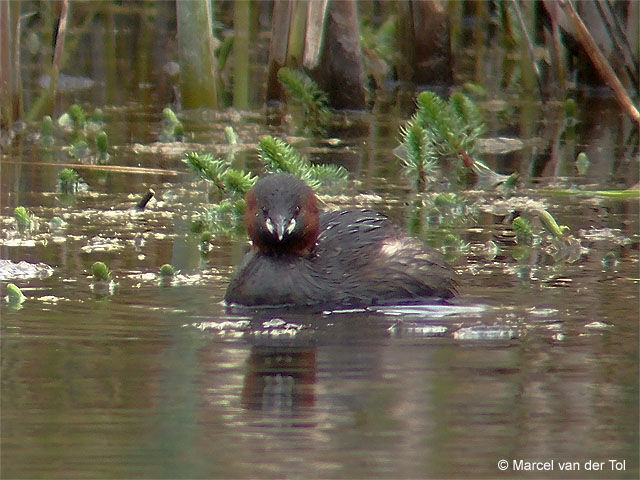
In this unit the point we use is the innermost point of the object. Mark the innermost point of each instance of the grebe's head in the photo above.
(282, 215)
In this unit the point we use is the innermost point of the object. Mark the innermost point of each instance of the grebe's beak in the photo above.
(281, 226)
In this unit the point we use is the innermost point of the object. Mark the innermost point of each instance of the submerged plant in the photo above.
(304, 91)
(84, 132)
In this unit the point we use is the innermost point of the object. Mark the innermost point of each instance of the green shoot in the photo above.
(230, 135)
(440, 130)
(219, 172)
(550, 224)
(455, 125)
(68, 180)
(582, 163)
(523, 231)
(97, 116)
(420, 161)
(23, 219)
(279, 156)
(57, 224)
(46, 132)
(102, 142)
(172, 128)
(167, 270)
(304, 91)
(78, 115)
(47, 126)
(14, 295)
(100, 272)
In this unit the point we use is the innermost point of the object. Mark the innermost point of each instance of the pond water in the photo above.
(535, 361)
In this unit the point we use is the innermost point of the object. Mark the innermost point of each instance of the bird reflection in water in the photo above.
(280, 379)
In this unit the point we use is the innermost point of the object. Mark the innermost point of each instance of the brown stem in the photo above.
(599, 60)
(57, 56)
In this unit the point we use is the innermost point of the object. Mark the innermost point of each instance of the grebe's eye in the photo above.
(265, 211)
(297, 210)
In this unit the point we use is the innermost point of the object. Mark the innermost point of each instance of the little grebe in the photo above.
(340, 258)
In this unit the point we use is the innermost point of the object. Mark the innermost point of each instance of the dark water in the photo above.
(536, 361)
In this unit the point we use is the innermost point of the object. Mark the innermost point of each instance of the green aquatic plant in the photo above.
(78, 115)
(278, 156)
(380, 48)
(73, 119)
(608, 194)
(68, 180)
(97, 117)
(57, 223)
(172, 128)
(102, 143)
(441, 130)
(230, 135)
(421, 160)
(305, 92)
(582, 163)
(455, 126)
(100, 272)
(550, 224)
(227, 180)
(14, 297)
(84, 133)
(231, 185)
(24, 221)
(167, 270)
(46, 129)
(523, 230)
(46, 132)
(79, 147)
